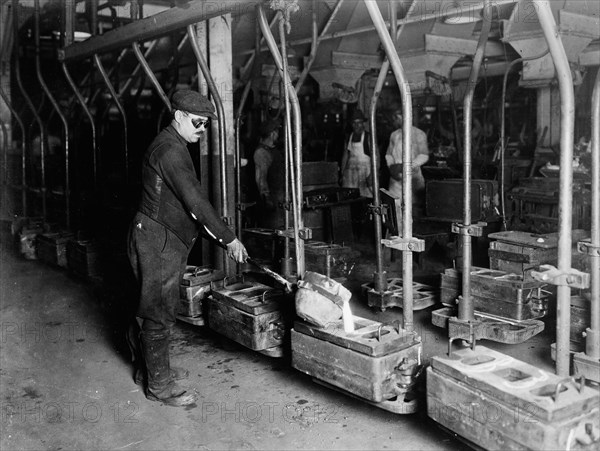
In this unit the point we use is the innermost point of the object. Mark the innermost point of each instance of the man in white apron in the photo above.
(356, 161)
(420, 156)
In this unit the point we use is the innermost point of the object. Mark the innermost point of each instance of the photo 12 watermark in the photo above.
(26, 411)
(269, 412)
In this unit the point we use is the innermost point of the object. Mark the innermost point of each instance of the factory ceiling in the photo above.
(436, 36)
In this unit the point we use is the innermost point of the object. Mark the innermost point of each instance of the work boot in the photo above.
(160, 384)
(177, 373)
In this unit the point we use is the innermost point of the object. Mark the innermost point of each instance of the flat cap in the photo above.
(193, 102)
(358, 115)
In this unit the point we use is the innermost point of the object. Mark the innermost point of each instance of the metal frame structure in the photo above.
(63, 119)
(295, 151)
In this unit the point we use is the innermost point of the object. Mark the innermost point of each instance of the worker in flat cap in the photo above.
(356, 160)
(170, 214)
(269, 174)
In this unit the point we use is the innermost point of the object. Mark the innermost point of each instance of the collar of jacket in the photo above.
(170, 129)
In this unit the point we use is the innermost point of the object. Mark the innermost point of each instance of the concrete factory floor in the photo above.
(65, 379)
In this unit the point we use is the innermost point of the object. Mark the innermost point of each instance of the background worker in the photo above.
(420, 156)
(163, 231)
(269, 174)
(356, 160)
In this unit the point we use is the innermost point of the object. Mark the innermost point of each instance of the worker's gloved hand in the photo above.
(236, 251)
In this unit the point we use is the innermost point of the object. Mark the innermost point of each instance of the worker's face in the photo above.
(397, 120)
(193, 126)
(358, 126)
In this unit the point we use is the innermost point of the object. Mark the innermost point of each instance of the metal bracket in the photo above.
(285, 205)
(227, 220)
(470, 230)
(570, 278)
(243, 206)
(411, 244)
(470, 331)
(304, 233)
(586, 247)
(380, 210)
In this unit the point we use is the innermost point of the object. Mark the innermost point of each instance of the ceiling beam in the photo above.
(152, 27)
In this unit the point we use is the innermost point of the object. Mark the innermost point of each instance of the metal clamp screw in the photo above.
(405, 244)
(586, 247)
(470, 230)
(570, 278)
(380, 210)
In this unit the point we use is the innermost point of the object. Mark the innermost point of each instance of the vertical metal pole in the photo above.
(297, 138)
(565, 201)
(466, 307)
(23, 153)
(503, 126)
(380, 276)
(592, 341)
(5, 146)
(237, 156)
(37, 119)
(115, 97)
(222, 126)
(63, 119)
(68, 30)
(407, 263)
(92, 13)
(289, 157)
(88, 113)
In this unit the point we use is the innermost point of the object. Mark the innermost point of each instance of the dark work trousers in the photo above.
(158, 259)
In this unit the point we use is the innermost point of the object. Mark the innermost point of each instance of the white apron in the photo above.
(358, 168)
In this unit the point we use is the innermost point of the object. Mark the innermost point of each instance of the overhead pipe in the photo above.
(313, 47)
(109, 74)
(565, 201)
(407, 261)
(592, 340)
(445, 12)
(173, 59)
(150, 75)
(88, 113)
(465, 306)
(23, 152)
(63, 119)
(256, 50)
(297, 139)
(316, 40)
(115, 98)
(512, 64)
(214, 92)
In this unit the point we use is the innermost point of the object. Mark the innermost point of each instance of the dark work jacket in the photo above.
(171, 193)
